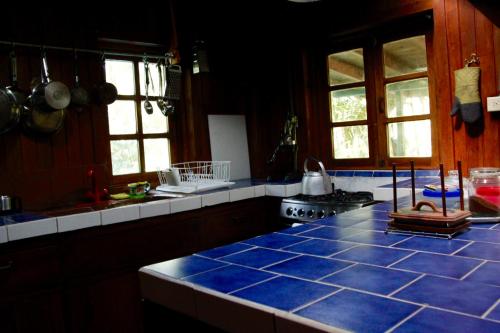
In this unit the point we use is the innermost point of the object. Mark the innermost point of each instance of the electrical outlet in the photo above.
(493, 103)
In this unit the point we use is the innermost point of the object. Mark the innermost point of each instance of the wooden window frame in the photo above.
(119, 181)
(377, 119)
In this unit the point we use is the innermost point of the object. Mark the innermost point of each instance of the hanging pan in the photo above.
(106, 92)
(11, 100)
(79, 96)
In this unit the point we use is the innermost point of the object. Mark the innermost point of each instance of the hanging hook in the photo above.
(473, 59)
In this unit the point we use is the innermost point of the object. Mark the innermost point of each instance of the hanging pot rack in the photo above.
(168, 55)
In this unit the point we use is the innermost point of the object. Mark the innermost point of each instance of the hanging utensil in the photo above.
(160, 102)
(49, 95)
(147, 104)
(106, 92)
(11, 101)
(19, 95)
(79, 96)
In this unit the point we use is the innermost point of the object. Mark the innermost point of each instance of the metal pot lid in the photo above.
(57, 95)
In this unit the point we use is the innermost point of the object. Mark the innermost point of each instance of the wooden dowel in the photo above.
(443, 189)
(413, 200)
(460, 185)
(394, 191)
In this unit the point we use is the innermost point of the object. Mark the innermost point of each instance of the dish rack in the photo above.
(189, 177)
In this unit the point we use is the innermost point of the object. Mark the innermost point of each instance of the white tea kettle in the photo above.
(314, 182)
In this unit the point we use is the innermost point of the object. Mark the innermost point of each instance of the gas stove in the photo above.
(307, 208)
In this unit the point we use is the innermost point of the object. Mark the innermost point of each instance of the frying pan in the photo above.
(11, 100)
(49, 95)
(79, 96)
(106, 92)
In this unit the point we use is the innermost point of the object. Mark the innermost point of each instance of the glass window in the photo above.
(121, 74)
(348, 104)
(346, 67)
(157, 154)
(410, 139)
(350, 142)
(407, 98)
(405, 56)
(125, 156)
(121, 118)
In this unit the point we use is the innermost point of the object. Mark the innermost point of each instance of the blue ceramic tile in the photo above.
(376, 238)
(229, 278)
(331, 172)
(439, 245)
(185, 266)
(488, 273)
(330, 233)
(274, 240)
(257, 258)
(484, 225)
(23, 217)
(482, 251)
(497, 227)
(358, 312)
(370, 214)
(403, 173)
(495, 314)
(484, 235)
(438, 264)
(363, 173)
(462, 296)
(338, 221)
(277, 292)
(344, 173)
(373, 255)
(308, 267)
(320, 247)
(370, 278)
(382, 174)
(298, 229)
(427, 173)
(225, 250)
(431, 320)
(371, 225)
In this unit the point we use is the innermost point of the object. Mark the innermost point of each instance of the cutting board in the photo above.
(228, 142)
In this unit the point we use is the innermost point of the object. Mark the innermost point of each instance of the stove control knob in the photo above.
(301, 212)
(289, 211)
(310, 213)
(321, 214)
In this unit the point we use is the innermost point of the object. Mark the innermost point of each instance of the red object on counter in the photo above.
(95, 195)
(490, 193)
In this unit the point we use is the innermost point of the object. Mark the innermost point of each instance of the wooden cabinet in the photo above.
(86, 280)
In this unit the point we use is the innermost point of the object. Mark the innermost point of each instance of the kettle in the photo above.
(314, 182)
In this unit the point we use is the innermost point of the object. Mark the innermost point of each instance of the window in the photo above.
(140, 142)
(379, 103)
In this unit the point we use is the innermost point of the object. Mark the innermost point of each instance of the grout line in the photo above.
(462, 313)
(317, 300)
(406, 285)
(404, 258)
(460, 249)
(253, 284)
(303, 241)
(227, 255)
(473, 270)
(340, 270)
(210, 270)
(401, 241)
(406, 319)
(485, 314)
(281, 261)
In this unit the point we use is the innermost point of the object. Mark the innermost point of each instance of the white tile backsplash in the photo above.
(154, 208)
(3, 234)
(241, 194)
(120, 214)
(276, 190)
(78, 221)
(260, 190)
(183, 204)
(216, 198)
(31, 229)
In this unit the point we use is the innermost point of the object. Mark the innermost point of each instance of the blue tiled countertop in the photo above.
(341, 272)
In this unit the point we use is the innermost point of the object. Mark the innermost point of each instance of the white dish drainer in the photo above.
(195, 176)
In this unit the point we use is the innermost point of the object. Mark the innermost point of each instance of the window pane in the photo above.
(348, 104)
(155, 122)
(157, 154)
(125, 156)
(410, 139)
(121, 118)
(154, 80)
(346, 67)
(405, 56)
(121, 74)
(407, 98)
(350, 142)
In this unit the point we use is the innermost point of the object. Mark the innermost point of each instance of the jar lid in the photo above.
(484, 172)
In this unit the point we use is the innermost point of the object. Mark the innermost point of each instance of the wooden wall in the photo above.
(260, 66)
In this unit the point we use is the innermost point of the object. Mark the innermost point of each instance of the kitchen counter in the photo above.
(339, 273)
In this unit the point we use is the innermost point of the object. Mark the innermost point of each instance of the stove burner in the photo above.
(307, 207)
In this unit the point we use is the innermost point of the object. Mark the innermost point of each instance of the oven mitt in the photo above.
(467, 99)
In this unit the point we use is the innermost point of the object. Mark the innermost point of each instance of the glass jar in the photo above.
(484, 191)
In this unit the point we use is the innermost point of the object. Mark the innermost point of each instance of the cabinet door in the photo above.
(40, 312)
(108, 304)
